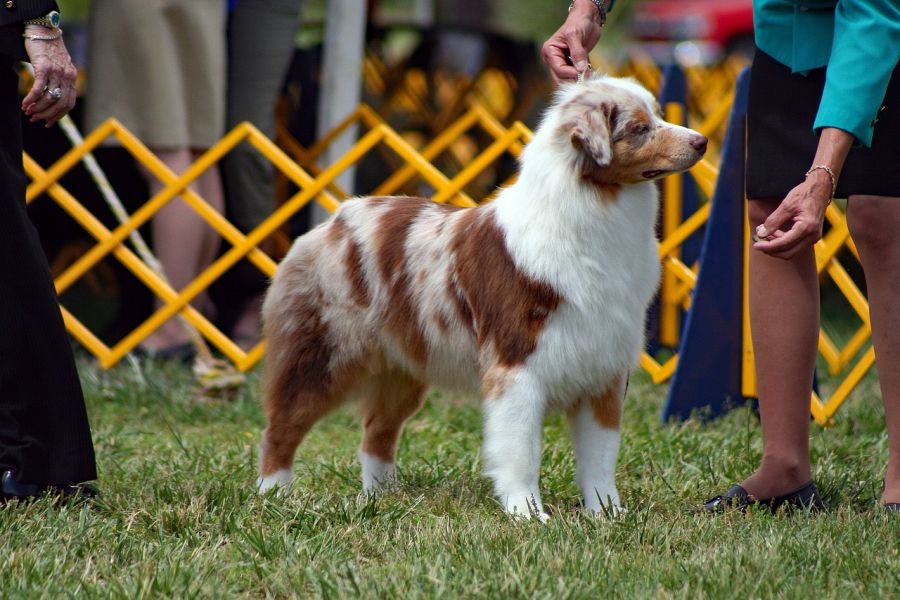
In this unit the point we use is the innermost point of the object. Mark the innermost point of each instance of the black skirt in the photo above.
(781, 143)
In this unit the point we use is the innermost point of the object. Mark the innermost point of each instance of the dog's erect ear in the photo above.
(591, 131)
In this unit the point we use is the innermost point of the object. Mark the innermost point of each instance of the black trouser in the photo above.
(44, 432)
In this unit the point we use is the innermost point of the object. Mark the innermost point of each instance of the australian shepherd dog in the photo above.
(535, 301)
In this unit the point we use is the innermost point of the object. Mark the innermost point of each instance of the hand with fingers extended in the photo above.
(797, 222)
(53, 92)
(566, 52)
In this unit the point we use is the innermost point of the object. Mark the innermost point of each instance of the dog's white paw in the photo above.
(280, 479)
(604, 503)
(613, 511)
(525, 506)
(377, 476)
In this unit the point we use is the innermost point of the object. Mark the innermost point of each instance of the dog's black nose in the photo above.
(699, 143)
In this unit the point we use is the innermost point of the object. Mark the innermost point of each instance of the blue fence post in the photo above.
(708, 375)
(674, 89)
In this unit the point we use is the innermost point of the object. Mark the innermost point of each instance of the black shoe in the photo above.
(10, 489)
(737, 498)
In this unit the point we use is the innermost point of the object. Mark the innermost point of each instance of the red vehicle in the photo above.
(693, 31)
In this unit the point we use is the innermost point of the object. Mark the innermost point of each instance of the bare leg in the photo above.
(394, 397)
(874, 222)
(784, 321)
(595, 436)
(246, 333)
(209, 186)
(183, 242)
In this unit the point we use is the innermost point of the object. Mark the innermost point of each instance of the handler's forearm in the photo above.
(834, 145)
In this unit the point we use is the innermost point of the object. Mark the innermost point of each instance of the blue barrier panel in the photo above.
(708, 375)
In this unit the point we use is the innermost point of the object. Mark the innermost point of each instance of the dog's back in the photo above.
(354, 276)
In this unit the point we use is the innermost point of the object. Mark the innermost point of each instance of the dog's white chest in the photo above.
(606, 274)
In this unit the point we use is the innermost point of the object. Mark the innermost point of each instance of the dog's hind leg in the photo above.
(287, 428)
(388, 400)
(301, 386)
(514, 408)
(595, 435)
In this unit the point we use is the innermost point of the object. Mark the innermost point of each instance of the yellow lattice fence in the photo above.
(411, 168)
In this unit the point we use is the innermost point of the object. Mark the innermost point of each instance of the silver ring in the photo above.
(56, 93)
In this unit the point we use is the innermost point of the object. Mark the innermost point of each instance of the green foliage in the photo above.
(74, 10)
(179, 518)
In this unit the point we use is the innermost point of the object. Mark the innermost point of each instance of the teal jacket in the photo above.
(858, 41)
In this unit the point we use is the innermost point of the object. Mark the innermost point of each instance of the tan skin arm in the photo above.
(576, 37)
(798, 220)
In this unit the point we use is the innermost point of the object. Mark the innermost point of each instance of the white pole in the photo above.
(345, 32)
(423, 13)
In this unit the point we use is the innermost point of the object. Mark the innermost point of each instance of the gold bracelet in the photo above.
(57, 33)
(830, 174)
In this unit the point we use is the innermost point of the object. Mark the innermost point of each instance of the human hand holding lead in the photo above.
(566, 51)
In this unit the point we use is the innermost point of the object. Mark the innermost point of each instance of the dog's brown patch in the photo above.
(460, 303)
(299, 383)
(443, 323)
(463, 310)
(495, 382)
(607, 407)
(391, 399)
(639, 120)
(305, 356)
(609, 192)
(401, 318)
(508, 308)
(337, 229)
(353, 262)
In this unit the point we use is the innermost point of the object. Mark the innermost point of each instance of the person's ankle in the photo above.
(892, 471)
(793, 471)
(777, 475)
(891, 491)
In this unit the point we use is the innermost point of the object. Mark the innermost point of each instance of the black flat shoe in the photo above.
(10, 489)
(892, 508)
(737, 498)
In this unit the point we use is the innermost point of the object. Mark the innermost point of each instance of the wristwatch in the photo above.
(602, 8)
(51, 19)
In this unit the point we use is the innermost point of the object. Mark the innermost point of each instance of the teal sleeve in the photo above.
(864, 52)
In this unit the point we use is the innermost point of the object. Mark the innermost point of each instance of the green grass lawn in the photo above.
(179, 518)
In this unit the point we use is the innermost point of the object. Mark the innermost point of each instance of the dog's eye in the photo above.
(639, 128)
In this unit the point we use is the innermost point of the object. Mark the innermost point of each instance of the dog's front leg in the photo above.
(512, 444)
(595, 426)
